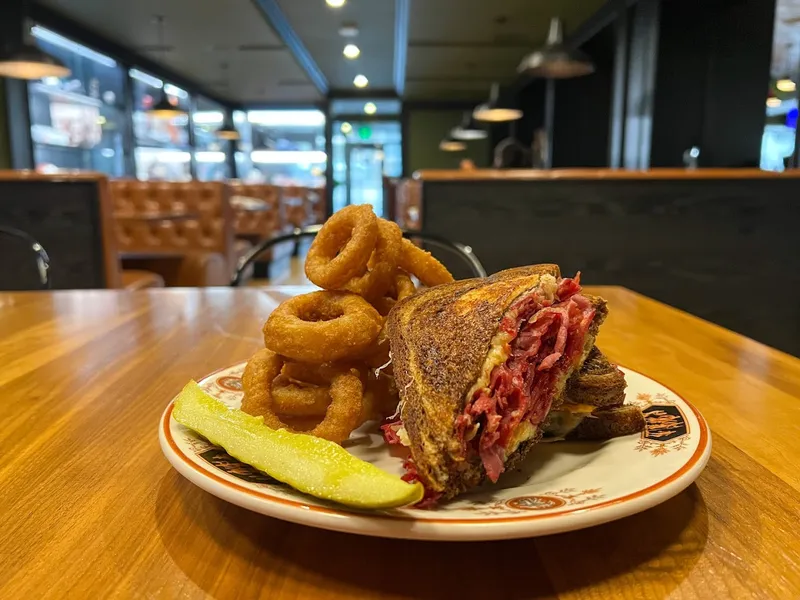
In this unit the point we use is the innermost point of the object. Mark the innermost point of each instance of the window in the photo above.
(288, 147)
(780, 128)
(244, 166)
(211, 153)
(162, 150)
(78, 122)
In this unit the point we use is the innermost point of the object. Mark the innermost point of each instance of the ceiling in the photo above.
(455, 48)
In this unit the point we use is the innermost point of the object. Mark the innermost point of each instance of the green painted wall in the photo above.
(426, 128)
(5, 149)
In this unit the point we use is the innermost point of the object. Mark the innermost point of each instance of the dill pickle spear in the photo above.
(309, 464)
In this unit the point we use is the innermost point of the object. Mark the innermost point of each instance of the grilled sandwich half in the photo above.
(479, 364)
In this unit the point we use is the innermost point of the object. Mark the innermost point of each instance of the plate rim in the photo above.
(460, 529)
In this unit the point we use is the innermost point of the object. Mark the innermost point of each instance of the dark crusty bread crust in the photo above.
(609, 423)
(598, 382)
(439, 341)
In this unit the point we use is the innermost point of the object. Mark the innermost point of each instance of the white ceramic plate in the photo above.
(561, 486)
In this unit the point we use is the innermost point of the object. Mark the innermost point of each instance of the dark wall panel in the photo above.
(723, 250)
(712, 80)
(583, 109)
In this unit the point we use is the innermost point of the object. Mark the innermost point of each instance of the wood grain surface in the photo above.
(91, 509)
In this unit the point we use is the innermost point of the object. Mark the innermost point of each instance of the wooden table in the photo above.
(91, 509)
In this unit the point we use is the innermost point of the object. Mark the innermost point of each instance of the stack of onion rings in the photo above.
(326, 366)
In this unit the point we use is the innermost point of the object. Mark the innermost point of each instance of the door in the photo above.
(365, 175)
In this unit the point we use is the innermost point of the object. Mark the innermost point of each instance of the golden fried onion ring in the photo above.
(322, 327)
(381, 265)
(296, 399)
(342, 247)
(402, 287)
(343, 415)
(422, 265)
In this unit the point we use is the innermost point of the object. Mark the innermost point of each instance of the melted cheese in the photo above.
(522, 433)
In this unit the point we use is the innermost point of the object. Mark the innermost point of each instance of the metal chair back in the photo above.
(461, 250)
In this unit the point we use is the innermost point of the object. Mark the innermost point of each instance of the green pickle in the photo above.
(307, 463)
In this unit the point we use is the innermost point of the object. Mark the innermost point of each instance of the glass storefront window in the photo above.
(288, 147)
(77, 123)
(162, 150)
(211, 153)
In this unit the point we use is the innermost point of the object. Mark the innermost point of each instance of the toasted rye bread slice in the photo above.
(609, 423)
(599, 382)
(439, 341)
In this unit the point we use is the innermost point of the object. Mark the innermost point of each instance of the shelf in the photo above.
(71, 96)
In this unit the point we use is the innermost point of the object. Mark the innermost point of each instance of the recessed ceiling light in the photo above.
(370, 108)
(360, 81)
(335, 3)
(346, 128)
(349, 29)
(786, 85)
(773, 102)
(351, 51)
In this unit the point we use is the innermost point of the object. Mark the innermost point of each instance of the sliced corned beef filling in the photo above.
(547, 338)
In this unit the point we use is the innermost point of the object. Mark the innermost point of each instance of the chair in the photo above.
(31, 246)
(464, 252)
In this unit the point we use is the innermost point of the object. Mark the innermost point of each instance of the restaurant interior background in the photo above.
(361, 101)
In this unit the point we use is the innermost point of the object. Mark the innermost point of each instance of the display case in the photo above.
(162, 149)
(288, 147)
(78, 122)
(211, 153)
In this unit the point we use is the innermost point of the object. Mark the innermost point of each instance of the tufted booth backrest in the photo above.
(207, 225)
(296, 206)
(264, 223)
(408, 204)
(316, 198)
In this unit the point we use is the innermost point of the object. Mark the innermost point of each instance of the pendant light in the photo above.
(163, 109)
(468, 130)
(228, 131)
(554, 60)
(20, 58)
(448, 144)
(496, 111)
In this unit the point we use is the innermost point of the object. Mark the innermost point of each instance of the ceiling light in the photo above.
(448, 144)
(773, 102)
(468, 130)
(165, 110)
(360, 81)
(554, 60)
(370, 108)
(346, 128)
(351, 51)
(786, 85)
(335, 3)
(29, 62)
(496, 110)
(348, 30)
